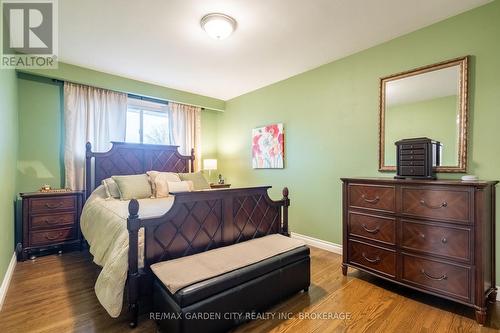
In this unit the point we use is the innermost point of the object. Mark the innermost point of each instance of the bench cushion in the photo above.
(182, 272)
(204, 289)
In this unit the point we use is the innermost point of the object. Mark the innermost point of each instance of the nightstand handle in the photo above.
(53, 237)
(47, 221)
(53, 206)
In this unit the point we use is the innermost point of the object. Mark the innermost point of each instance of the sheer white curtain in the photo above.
(185, 129)
(92, 115)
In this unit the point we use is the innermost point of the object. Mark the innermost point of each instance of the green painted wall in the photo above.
(72, 73)
(331, 118)
(209, 129)
(8, 154)
(40, 159)
(41, 132)
(436, 119)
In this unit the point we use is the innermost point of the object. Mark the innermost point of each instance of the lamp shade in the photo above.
(210, 164)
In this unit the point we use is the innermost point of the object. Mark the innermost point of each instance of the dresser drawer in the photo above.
(452, 242)
(53, 204)
(373, 257)
(51, 221)
(47, 237)
(443, 278)
(382, 229)
(373, 197)
(446, 204)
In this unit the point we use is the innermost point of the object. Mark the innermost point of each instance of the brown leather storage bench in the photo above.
(221, 302)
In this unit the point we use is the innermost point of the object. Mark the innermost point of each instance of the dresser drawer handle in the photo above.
(371, 231)
(53, 237)
(444, 240)
(373, 201)
(377, 259)
(442, 205)
(443, 277)
(49, 206)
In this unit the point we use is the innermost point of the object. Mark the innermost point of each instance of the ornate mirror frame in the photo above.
(463, 64)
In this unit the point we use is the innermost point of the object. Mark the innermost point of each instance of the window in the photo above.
(147, 122)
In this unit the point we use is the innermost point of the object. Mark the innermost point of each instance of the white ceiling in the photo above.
(424, 87)
(160, 41)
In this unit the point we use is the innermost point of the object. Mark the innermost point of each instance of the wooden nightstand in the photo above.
(51, 221)
(213, 185)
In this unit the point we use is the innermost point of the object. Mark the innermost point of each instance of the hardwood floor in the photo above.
(55, 294)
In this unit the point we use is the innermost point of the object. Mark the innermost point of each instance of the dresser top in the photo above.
(453, 182)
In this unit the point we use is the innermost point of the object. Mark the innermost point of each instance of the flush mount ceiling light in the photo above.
(218, 26)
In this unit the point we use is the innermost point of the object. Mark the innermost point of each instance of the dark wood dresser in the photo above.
(50, 221)
(436, 236)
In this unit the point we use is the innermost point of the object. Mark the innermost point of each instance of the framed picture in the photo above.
(268, 147)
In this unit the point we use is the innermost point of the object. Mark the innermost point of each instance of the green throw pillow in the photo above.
(199, 181)
(133, 186)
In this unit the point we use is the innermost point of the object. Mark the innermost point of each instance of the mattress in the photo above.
(104, 226)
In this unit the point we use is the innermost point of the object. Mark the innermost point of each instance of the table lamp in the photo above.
(209, 164)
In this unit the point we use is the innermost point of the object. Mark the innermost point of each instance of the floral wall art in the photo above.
(268, 147)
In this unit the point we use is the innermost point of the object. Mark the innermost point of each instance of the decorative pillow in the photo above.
(133, 186)
(111, 188)
(165, 176)
(183, 186)
(199, 181)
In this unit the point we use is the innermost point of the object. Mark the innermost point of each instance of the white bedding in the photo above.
(104, 226)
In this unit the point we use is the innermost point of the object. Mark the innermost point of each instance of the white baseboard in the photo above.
(6, 279)
(319, 243)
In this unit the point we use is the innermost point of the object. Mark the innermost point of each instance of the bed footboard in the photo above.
(200, 221)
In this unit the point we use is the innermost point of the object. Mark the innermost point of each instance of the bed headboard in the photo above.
(132, 159)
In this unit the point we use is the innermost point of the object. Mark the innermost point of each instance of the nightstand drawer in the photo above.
(52, 221)
(53, 204)
(48, 237)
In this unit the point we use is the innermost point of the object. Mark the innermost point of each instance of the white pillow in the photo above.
(111, 187)
(162, 176)
(182, 186)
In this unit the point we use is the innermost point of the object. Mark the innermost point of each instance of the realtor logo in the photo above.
(29, 36)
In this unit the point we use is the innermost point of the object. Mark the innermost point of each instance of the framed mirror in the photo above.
(426, 102)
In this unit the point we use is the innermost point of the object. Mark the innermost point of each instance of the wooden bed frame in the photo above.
(198, 221)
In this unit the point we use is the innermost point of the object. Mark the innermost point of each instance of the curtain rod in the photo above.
(141, 97)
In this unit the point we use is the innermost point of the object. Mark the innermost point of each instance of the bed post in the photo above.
(133, 225)
(286, 203)
(192, 159)
(88, 171)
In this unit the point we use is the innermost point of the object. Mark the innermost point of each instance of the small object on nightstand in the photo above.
(221, 179)
(51, 221)
(215, 186)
